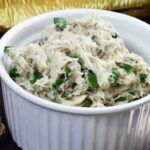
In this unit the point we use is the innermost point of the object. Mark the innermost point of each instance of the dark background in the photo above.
(6, 142)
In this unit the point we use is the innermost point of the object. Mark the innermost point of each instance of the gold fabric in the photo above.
(14, 11)
(2, 128)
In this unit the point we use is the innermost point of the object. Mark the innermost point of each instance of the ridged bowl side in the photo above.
(37, 128)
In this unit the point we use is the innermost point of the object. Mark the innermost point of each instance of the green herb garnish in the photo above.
(120, 99)
(91, 79)
(6, 49)
(128, 67)
(80, 61)
(68, 72)
(116, 72)
(113, 78)
(132, 91)
(36, 76)
(14, 73)
(114, 35)
(66, 94)
(57, 84)
(60, 23)
(142, 77)
(62, 78)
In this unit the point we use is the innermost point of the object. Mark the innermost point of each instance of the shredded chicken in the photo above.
(80, 63)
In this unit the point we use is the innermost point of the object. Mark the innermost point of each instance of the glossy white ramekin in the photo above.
(37, 124)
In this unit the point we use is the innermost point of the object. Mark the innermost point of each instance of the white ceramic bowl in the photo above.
(37, 124)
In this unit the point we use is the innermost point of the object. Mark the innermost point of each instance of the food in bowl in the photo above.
(83, 62)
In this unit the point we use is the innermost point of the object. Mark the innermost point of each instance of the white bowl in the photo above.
(37, 124)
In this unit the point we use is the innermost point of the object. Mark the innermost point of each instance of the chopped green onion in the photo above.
(13, 73)
(113, 78)
(58, 83)
(36, 75)
(79, 59)
(68, 72)
(7, 48)
(66, 94)
(32, 81)
(132, 91)
(142, 77)
(128, 67)
(120, 99)
(114, 35)
(60, 23)
(62, 78)
(91, 79)
(116, 72)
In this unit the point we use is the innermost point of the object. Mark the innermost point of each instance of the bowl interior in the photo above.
(135, 33)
